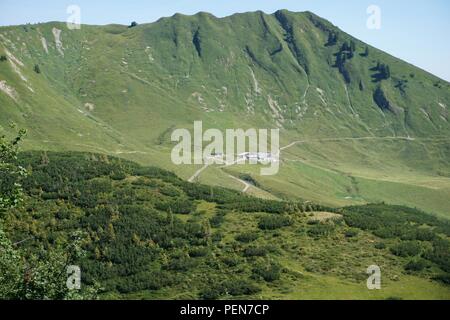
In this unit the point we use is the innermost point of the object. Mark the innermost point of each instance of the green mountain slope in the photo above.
(148, 234)
(363, 128)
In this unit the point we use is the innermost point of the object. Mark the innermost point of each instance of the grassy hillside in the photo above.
(150, 235)
(121, 91)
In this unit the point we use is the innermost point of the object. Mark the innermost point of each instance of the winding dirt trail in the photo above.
(246, 184)
(347, 139)
(198, 172)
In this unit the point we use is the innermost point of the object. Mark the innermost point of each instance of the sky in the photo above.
(416, 31)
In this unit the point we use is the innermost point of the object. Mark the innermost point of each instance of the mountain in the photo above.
(359, 125)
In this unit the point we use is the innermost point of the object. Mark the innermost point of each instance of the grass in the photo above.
(343, 173)
(252, 70)
(330, 268)
(339, 265)
(146, 228)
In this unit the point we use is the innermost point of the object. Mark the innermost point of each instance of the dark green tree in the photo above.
(37, 69)
(361, 85)
(384, 71)
(380, 99)
(332, 38)
(30, 276)
(366, 52)
(387, 72)
(11, 172)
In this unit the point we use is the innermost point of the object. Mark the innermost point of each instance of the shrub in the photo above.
(380, 245)
(37, 69)
(248, 178)
(255, 252)
(234, 287)
(118, 175)
(217, 237)
(416, 265)
(321, 230)
(332, 38)
(144, 281)
(63, 213)
(312, 222)
(231, 261)
(170, 191)
(3, 58)
(247, 237)
(424, 235)
(351, 233)
(213, 292)
(143, 181)
(50, 196)
(440, 253)
(407, 249)
(247, 204)
(268, 271)
(178, 205)
(380, 99)
(366, 52)
(444, 278)
(217, 220)
(273, 222)
(181, 264)
(239, 287)
(198, 252)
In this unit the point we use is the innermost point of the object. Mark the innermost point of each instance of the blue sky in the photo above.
(414, 30)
